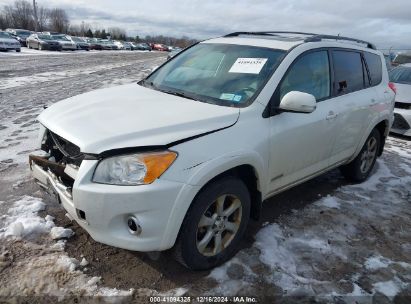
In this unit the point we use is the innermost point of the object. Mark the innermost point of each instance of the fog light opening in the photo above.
(133, 225)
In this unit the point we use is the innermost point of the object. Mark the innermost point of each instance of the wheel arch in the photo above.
(246, 172)
(383, 127)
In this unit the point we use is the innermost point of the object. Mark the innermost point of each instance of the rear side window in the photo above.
(309, 74)
(374, 67)
(348, 71)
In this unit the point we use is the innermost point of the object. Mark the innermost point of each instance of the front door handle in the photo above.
(331, 115)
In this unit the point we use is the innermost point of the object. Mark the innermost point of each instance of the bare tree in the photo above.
(59, 21)
(43, 17)
(3, 21)
(20, 15)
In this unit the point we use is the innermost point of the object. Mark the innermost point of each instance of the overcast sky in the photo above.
(386, 23)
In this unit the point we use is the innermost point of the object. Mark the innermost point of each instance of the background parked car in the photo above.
(174, 52)
(143, 47)
(65, 42)
(7, 42)
(108, 45)
(160, 47)
(402, 58)
(401, 77)
(42, 41)
(128, 46)
(95, 44)
(119, 44)
(20, 34)
(81, 43)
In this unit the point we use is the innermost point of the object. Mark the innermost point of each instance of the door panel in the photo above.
(353, 104)
(301, 143)
(353, 113)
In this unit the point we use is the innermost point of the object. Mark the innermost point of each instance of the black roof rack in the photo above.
(311, 37)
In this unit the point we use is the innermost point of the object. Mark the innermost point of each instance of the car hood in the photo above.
(403, 92)
(132, 116)
(8, 40)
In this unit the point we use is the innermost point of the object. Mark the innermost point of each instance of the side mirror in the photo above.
(299, 102)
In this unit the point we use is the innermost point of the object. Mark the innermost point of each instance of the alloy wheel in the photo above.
(368, 155)
(219, 225)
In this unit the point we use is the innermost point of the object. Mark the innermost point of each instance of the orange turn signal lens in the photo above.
(157, 163)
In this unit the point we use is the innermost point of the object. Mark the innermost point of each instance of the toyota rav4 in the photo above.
(185, 158)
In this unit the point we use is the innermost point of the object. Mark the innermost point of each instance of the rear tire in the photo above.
(360, 167)
(214, 225)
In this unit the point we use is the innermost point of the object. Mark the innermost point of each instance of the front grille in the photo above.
(403, 105)
(70, 151)
(400, 122)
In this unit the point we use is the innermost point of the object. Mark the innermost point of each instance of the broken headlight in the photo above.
(133, 169)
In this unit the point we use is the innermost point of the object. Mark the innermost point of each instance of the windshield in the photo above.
(45, 37)
(224, 74)
(401, 75)
(63, 38)
(5, 35)
(23, 33)
(76, 39)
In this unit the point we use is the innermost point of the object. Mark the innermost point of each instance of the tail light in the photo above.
(392, 86)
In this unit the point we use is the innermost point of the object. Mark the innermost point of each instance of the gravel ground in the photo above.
(323, 241)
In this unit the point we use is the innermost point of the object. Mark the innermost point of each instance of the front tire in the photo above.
(360, 167)
(214, 225)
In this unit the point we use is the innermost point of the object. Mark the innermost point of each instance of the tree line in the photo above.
(22, 15)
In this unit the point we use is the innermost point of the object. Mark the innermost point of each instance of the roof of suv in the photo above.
(283, 40)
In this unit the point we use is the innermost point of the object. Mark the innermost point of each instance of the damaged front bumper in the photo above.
(103, 210)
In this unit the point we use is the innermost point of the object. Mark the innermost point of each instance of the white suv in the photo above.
(183, 159)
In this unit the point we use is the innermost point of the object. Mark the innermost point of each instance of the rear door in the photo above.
(353, 99)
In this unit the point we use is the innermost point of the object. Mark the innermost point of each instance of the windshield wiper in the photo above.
(179, 94)
(150, 84)
(146, 83)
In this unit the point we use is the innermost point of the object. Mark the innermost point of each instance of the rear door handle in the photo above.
(331, 115)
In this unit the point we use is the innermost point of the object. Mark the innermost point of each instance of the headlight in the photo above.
(133, 169)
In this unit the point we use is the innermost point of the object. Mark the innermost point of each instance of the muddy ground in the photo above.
(323, 241)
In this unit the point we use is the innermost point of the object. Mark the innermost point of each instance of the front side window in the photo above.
(309, 74)
(224, 74)
(348, 71)
(374, 67)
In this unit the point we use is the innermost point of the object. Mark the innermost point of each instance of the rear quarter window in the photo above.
(374, 67)
(348, 71)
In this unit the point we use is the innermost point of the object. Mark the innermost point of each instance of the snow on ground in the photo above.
(32, 52)
(351, 243)
(324, 251)
(53, 273)
(14, 82)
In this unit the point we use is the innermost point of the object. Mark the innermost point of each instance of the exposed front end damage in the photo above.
(104, 210)
(58, 165)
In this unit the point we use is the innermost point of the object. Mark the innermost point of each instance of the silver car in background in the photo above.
(401, 77)
(8, 43)
(65, 42)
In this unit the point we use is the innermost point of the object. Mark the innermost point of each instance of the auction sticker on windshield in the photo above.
(248, 65)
